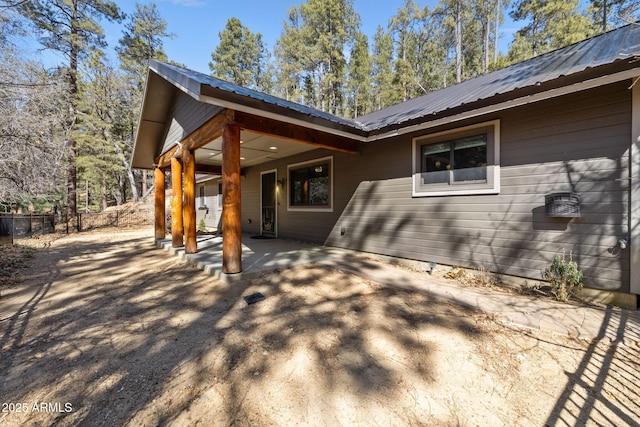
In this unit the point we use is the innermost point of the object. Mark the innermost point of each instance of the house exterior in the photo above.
(208, 202)
(501, 172)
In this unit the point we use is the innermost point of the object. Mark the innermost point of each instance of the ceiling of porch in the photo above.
(254, 149)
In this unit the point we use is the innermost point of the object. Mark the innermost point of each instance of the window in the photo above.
(201, 199)
(310, 185)
(463, 161)
(219, 196)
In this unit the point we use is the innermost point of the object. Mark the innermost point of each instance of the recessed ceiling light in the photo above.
(242, 158)
(273, 148)
(241, 142)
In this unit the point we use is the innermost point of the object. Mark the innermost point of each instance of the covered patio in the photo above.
(194, 124)
(259, 255)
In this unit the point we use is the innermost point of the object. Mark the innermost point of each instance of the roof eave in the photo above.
(237, 102)
(157, 100)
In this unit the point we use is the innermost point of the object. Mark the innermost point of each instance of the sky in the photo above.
(196, 24)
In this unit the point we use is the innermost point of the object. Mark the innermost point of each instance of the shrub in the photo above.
(563, 276)
(202, 226)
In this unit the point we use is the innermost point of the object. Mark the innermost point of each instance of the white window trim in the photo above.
(311, 208)
(493, 170)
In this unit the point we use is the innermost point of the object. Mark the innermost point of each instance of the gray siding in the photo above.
(211, 211)
(575, 143)
(187, 115)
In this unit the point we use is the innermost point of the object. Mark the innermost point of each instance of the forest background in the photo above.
(67, 130)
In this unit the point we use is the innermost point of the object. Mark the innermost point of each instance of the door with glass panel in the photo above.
(268, 204)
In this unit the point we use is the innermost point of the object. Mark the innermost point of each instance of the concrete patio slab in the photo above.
(259, 255)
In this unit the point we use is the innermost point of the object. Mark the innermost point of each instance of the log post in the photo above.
(231, 200)
(177, 230)
(189, 166)
(159, 209)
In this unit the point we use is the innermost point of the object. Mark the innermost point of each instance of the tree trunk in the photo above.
(105, 192)
(459, 41)
(127, 167)
(72, 203)
(486, 29)
(144, 181)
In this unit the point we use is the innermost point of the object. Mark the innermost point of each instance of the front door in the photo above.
(268, 204)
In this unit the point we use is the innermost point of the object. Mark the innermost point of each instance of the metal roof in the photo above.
(616, 53)
(620, 44)
(200, 85)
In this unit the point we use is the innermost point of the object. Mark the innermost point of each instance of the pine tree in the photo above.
(290, 57)
(552, 24)
(359, 83)
(241, 57)
(608, 14)
(384, 93)
(431, 68)
(488, 13)
(457, 22)
(104, 133)
(402, 27)
(323, 29)
(142, 39)
(70, 27)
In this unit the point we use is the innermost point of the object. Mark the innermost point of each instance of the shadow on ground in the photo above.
(124, 334)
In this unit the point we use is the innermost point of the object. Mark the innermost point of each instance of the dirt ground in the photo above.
(103, 329)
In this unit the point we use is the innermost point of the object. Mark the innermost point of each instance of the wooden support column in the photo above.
(159, 210)
(231, 200)
(177, 230)
(189, 166)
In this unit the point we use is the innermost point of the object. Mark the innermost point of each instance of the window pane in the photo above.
(470, 158)
(299, 187)
(436, 163)
(309, 186)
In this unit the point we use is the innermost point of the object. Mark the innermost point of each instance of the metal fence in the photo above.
(19, 226)
(116, 218)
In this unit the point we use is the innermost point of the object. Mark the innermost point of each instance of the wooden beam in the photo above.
(159, 209)
(189, 167)
(177, 230)
(210, 169)
(206, 133)
(214, 169)
(265, 126)
(231, 201)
